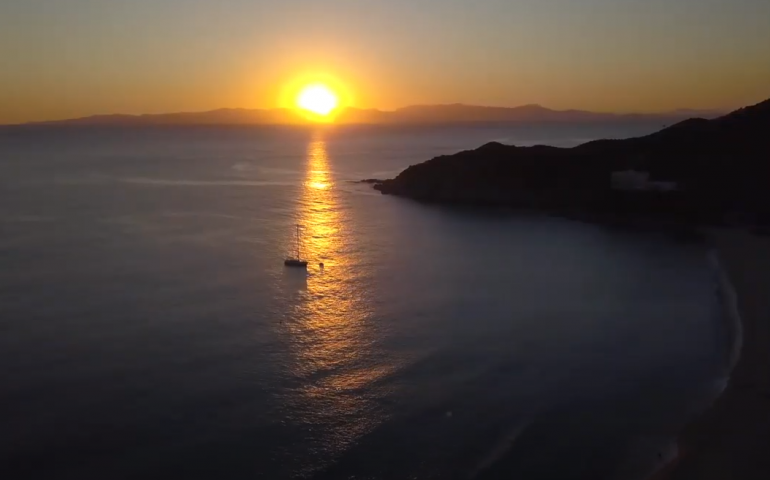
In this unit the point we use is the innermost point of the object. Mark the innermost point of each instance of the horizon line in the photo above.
(680, 110)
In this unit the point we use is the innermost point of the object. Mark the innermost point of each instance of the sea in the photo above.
(149, 328)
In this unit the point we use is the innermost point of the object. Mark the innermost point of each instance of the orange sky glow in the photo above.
(77, 58)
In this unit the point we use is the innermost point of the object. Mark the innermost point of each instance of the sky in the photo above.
(72, 58)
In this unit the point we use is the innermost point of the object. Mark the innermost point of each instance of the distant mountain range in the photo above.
(418, 114)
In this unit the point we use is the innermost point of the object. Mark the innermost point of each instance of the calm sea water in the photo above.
(148, 328)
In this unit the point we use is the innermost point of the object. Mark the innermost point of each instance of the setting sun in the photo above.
(318, 99)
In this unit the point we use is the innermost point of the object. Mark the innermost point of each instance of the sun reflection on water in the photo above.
(332, 340)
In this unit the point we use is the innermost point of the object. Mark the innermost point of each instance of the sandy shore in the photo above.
(732, 439)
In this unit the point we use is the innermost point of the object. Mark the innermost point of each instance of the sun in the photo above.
(318, 99)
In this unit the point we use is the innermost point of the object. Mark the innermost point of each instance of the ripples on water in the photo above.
(150, 328)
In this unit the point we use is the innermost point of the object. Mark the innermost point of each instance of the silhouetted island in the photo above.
(696, 171)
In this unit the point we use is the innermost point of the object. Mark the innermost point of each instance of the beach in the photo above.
(731, 439)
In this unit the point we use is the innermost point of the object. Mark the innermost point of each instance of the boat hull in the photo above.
(293, 262)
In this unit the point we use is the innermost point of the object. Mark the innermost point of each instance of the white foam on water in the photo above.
(500, 449)
(729, 299)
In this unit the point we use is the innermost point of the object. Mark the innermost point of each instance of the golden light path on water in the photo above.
(331, 336)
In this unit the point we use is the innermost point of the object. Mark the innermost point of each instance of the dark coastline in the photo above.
(698, 172)
(732, 438)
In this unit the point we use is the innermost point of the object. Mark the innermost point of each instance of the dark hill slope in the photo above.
(721, 166)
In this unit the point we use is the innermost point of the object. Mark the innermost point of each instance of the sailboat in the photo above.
(296, 261)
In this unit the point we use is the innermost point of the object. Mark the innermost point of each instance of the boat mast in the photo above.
(298, 257)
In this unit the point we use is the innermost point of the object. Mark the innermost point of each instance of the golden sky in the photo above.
(70, 58)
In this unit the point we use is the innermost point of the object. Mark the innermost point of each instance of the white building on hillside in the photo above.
(630, 180)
